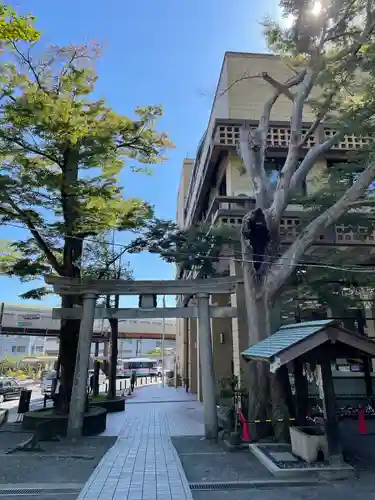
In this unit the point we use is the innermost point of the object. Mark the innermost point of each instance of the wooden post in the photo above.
(79, 391)
(330, 412)
(302, 392)
(207, 368)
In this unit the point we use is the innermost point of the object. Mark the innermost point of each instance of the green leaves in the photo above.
(103, 259)
(62, 153)
(196, 248)
(36, 293)
(15, 28)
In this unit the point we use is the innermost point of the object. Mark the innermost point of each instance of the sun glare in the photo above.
(288, 21)
(317, 7)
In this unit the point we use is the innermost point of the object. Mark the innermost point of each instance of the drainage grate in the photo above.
(21, 491)
(245, 485)
(36, 491)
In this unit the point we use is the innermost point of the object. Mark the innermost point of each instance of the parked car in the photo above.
(9, 389)
(46, 385)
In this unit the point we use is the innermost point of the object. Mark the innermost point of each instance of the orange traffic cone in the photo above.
(362, 426)
(245, 427)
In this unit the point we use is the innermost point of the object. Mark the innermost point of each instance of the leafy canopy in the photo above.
(197, 248)
(16, 28)
(62, 154)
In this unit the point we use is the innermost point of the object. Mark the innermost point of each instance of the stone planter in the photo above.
(94, 421)
(3, 417)
(309, 443)
(111, 405)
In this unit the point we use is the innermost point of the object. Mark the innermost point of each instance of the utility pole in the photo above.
(162, 347)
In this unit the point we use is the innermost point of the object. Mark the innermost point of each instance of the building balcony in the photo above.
(228, 134)
(228, 211)
(224, 138)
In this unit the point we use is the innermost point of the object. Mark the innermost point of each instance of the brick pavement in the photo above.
(143, 464)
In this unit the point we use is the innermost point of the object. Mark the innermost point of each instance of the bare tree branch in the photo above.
(266, 114)
(289, 177)
(306, 82)
(294, 145)
(238, 80)
(329, 35)
(278, 86)
(281, 88)
(29, 64)
(252, 144)
(65, 70)
(283, 268)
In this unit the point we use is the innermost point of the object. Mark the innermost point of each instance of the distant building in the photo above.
(29, 319)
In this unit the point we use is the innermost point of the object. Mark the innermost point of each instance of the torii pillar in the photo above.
(207, 368)
(79, 390)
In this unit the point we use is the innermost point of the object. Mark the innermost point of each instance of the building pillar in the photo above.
(240, 331)
(79, 390)
(207, 368)
(193, 356)
(222, 343)
(199, 368)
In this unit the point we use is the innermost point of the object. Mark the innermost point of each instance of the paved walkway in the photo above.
(143, 464)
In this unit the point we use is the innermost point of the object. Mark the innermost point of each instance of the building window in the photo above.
(18, 348)
(273, 168)
(39, 348)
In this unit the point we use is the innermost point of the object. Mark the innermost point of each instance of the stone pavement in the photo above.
(143, 464)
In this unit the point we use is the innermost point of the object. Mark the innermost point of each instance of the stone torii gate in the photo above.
(91, 289)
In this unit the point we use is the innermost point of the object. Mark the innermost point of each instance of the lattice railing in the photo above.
(228, 135)
(349, 141)
(290, 228)
(352, 234)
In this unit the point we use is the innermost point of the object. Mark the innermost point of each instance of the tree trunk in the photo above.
(69, 333)
(267, 392)
(72, 253)
(259, 390)
(114, 352)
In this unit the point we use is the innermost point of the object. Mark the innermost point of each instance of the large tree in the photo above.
(62, 153)
(331, 52)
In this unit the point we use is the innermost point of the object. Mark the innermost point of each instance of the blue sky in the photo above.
(155, 52)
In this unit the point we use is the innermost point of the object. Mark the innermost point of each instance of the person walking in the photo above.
(92, 378)
(133, 380)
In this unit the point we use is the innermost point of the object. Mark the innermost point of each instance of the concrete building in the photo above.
(25, 320)
(215, 190)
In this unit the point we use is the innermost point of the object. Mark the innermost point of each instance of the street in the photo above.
(37, 399)
(36, 402)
